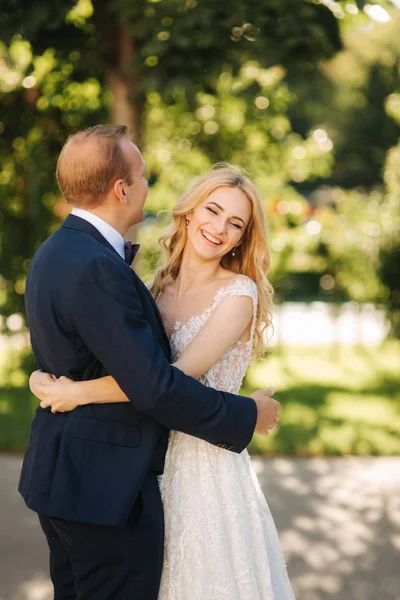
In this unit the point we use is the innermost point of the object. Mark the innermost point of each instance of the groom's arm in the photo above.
(108, 315)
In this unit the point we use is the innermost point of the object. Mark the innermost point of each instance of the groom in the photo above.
(91, 474)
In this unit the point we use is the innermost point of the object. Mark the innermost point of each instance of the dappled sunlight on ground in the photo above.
(338, 519)
(339, 523)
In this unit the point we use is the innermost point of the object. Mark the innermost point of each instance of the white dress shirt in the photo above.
(112, 236)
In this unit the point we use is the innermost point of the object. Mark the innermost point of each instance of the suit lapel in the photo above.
(147, 291)
(74, 222)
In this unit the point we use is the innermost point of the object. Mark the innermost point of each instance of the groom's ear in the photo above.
(119, 191)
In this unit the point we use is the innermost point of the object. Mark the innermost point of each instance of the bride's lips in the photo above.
(209, 242)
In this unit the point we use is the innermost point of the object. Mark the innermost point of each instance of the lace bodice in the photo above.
(228, 373)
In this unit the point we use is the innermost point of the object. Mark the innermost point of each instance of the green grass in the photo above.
(17, 407)
(333, 402)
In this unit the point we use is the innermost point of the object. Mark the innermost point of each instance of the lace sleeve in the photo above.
(242, 286)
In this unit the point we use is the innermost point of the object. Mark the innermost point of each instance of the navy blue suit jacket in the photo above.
(90, 315)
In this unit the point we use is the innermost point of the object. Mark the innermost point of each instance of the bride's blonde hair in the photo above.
(251, 256)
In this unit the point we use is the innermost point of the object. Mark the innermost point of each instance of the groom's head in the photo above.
(101, 168)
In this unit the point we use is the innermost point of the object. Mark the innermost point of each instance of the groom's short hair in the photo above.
(89, 164)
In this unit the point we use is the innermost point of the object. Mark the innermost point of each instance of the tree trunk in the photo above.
(123, 82)
(120, 52)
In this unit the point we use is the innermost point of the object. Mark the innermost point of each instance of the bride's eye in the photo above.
(237, 225)
(214, 212)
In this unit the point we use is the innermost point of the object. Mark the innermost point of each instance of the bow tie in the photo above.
(130, 252)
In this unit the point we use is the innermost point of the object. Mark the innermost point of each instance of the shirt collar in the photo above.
(112, 236)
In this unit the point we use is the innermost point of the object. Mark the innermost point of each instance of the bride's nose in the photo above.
(220, 226)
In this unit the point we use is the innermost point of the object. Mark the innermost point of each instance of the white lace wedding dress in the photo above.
(220, 540)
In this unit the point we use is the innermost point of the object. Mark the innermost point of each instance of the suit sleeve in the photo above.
(108, 315)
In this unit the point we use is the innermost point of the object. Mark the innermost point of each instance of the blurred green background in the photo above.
(303, 94)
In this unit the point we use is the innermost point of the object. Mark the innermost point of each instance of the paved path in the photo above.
(339, 522)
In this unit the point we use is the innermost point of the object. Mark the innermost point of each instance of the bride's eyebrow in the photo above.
(220, 208)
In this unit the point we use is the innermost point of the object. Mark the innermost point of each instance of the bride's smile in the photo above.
(211, 239)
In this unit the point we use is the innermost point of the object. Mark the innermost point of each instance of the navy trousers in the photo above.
(101, 562)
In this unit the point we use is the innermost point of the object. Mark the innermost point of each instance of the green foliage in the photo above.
(389, 274)
(178, 44)
(354, 99)
(244, 122)
(389, 255)
(31, 20)
(188, 43)
(41, 105)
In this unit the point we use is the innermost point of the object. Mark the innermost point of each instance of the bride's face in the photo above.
(217, 225)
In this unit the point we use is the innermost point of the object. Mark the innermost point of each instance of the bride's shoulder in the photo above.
(239, 283)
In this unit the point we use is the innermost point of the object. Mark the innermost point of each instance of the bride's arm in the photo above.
(64, 394)
(227, 324)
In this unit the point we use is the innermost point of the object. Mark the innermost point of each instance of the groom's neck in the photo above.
(110, 216)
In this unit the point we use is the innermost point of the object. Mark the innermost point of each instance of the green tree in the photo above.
(68, 65)
(41, 104)
(349, 99)
(174, 44)
(389, 255)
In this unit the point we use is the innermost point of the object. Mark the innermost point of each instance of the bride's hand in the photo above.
(61, 395)
(39, 378)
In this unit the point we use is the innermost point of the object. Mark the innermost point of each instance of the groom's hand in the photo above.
(267, 411)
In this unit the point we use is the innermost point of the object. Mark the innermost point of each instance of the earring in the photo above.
(187, 223)
(234, 252)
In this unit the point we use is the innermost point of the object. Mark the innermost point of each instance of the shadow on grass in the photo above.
(313, 423)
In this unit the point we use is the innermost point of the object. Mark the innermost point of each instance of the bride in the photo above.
(214, 297)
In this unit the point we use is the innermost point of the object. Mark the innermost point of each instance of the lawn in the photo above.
(334, 402)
